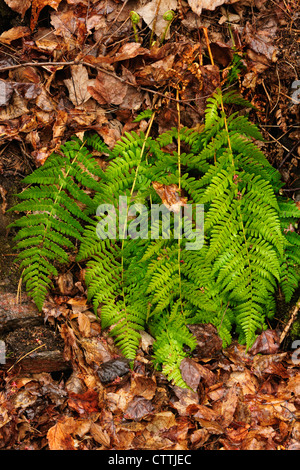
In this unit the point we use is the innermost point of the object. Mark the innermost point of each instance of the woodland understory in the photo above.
(156, 106)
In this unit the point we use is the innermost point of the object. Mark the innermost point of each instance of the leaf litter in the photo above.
(84, 71)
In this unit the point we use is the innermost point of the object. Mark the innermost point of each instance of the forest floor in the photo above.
(71, 66)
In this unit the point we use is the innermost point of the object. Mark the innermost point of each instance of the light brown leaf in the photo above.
(143, 386)
(14, 33)
(84, 324)
(101, 436)
(20, 6)
(59, 436)
(152, 13)
(169, 196)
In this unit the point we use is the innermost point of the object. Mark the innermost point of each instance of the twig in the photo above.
(290, 322)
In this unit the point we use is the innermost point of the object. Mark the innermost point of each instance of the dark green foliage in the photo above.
(250, 246)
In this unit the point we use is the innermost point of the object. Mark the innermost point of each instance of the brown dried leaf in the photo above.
(15, 109)
(84, 403)
(65, 283)
(78, 85)
(169, 196)
(247, 381)
(84, 324)
(143, 386)
(95, 352)
(129, 51)
(6, 91)
(266, 343)
(198, 5)
(192, 372)
(108, 89)
(158, 72)
(20, 6)
(59, 436)
(36, 8)
(152, 13)
(270, 364)
(138, 408)
(101, 436)
(209, 342)
(226, 408)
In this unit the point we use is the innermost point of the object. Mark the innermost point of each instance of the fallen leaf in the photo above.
(16, 108)
(20, 6)
(36, 8)
(60, 435)
(192, 372)
(198, 5)
(138, 408)
(84, 324)
(169, 196)
(6, 91)
(266, 343)
(152, 13)
(101, 436)
(143, 386)
(209, 342)
(65, 283)
(226, 408)
(156, 73)
(129, 50)
(247, 381)
(95, 352)
(84, 403)
(108, 89)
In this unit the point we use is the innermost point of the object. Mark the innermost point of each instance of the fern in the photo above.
(250, 245)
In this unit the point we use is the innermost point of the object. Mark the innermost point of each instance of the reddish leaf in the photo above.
(266, 343)
(84, 403)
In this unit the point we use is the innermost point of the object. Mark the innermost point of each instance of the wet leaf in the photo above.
(78, 85)
(138, 408)
(266, 343)
(108, 89)
(208, 341)
(84, 403)
(143, 386)
(60, 435)
(6, 90)
(152, 13)
(19, 6)
(36, 8)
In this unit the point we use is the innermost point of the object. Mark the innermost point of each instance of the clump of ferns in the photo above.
(249, 248)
